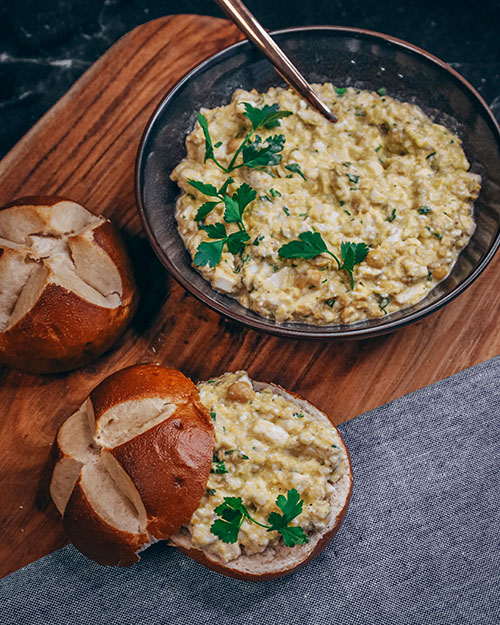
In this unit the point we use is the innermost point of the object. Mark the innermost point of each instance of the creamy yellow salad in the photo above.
(384, 177)
(266, 446)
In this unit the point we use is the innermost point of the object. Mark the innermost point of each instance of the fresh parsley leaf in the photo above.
(266, 117)
(310, 245)
(209, 150)
(236, 204)
(293, 536)
(352, 254)
(295, 167)
(225, 530)
(206, 189)
(232, 513)
(260, 153)
(204, 210)
(340, 91)
(215, 231)
(236, 241)
(291, 505)
(209, 253)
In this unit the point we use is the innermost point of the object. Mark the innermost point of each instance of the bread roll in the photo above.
(133, 463)
(66, 286)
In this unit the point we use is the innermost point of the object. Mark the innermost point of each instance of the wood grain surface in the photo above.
(85, 148)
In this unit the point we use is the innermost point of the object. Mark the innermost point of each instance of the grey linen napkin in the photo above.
(420, 543)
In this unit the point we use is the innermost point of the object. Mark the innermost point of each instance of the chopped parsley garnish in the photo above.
(286, 211)
(210, 491)
(424, 210)
(340, 91)
(383, 302)
(430, 155)
(347, 212)
(213, 415)
(299, 415)
(311, 244)
(378, 148)
(295, 167)
(354, 179)
(381, 91)
(258, 239)
(218, 467)
(274, 193)
(346, 164)
(392, 216)
(331, 302)
(233, 513)
(438, 235)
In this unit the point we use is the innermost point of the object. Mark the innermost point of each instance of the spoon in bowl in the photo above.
(249, 25)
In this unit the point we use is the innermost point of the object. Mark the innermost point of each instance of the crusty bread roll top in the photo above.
(66, 286)
(133, 463)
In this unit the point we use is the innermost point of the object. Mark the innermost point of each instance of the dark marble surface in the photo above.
(45, 45)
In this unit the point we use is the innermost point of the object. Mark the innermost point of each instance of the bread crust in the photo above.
(62, 330)
(95, 538)
(282, 560)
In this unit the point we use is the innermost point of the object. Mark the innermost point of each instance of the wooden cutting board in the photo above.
(85, 148)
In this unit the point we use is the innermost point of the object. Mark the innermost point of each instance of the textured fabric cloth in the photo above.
(420, 544)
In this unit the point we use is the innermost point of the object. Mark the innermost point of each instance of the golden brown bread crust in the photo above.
(95, 538)
(169, 465)
(141, 381)
(63, 331)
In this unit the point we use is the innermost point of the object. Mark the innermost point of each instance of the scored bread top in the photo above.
(67, 285)
(141, 445)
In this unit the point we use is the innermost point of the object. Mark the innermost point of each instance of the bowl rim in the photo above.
(264, 324)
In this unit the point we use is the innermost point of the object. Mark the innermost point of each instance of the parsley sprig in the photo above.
(311, 244)
(233, 513)
(255, 154)
(210, 252)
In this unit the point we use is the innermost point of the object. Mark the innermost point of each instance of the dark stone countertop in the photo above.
(46, 45)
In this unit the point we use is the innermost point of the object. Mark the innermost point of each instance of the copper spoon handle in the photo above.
(248, 24)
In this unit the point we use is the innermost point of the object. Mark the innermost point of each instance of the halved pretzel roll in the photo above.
(133, 463)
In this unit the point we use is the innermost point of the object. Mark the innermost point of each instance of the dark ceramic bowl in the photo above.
(347, 57)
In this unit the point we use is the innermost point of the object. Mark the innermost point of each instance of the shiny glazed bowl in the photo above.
(346, 57)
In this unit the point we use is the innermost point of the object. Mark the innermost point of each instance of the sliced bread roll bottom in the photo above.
(280, 560)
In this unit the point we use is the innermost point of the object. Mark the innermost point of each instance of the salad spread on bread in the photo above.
(266, 451)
